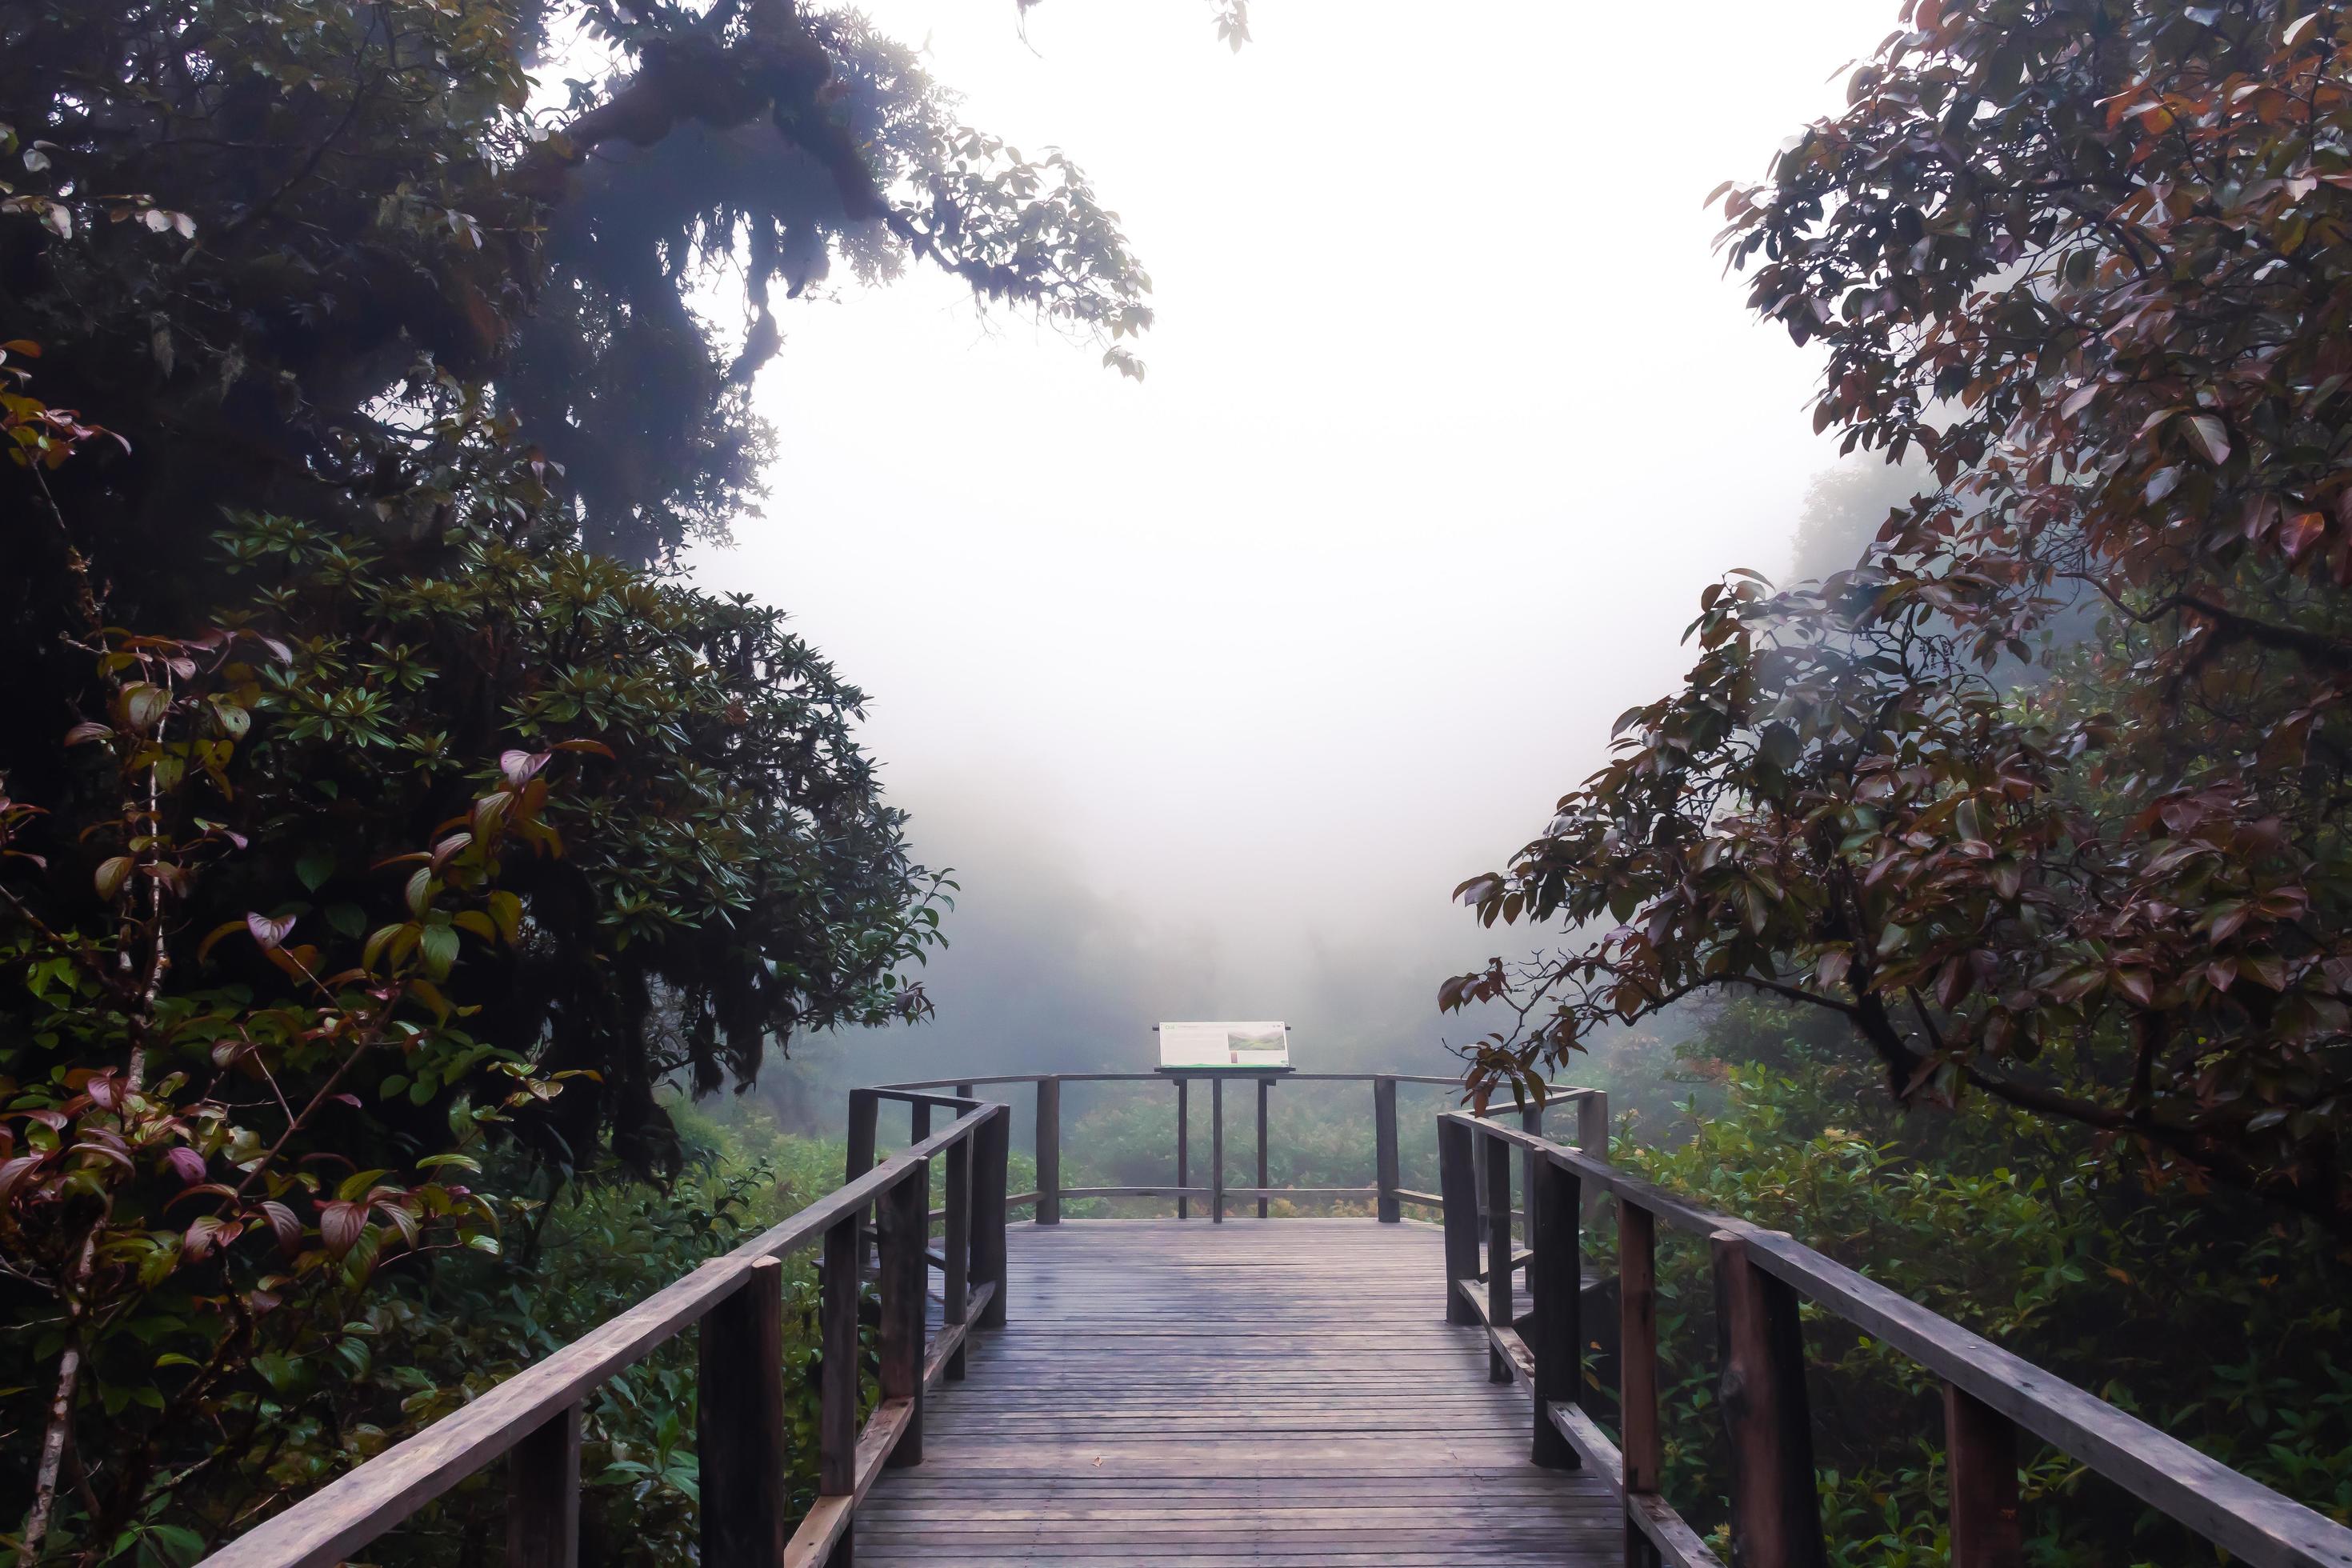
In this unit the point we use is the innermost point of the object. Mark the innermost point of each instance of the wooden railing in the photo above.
(1761, 1277)
(1391, 1197)
(533, 1419)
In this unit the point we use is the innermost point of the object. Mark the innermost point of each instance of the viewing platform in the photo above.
(1285, 1393)
(1272, 1391)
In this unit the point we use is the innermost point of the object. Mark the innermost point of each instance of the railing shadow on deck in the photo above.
(533, 1418)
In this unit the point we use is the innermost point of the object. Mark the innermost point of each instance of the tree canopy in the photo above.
(383, 819)
(2090, 262)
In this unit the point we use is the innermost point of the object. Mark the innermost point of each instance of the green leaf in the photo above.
(440, 945)
(315, 865)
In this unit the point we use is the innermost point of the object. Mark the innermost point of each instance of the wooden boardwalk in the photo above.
(1283, 1393)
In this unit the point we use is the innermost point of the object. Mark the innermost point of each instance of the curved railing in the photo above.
(1390, 1197)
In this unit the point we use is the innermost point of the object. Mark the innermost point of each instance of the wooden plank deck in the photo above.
(1283, 1393)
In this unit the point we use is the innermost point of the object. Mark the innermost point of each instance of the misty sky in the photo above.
(1213, 688)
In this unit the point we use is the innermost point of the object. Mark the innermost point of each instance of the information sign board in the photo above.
(1197, 1045)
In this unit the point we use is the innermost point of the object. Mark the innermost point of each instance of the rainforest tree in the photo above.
(375, 804)
(2088, 265)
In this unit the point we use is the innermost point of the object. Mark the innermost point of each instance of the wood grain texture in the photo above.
(1980, 1446)
(544, 1495)
(1174, 1395)
(1776, 1521)
(739, 1424)
(1384, 1146)
(1556, 1282)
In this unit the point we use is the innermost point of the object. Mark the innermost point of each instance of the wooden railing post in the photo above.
(1183, 1145)
(1498, 1251)
(1531, 1122)
(1265, 1087)
(1592, 1137)
(1217, 1150)
(906, 1227)
(1457, 1184)
(1776, 1517)
(739, 1424)
(991, 1147)
(864, 1110)
(1981, 1458)
(1637, 1368)
(836, 1422)
(544, 1495)
(1556, 1282)
(1384, 1137)
(1049, 1151)
(956, 1248)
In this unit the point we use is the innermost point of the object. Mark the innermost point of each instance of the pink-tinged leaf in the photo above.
(144, 705)
(341, 1225)
(270, 933)
(2299, 532)
(104, 1151)
(14, 1171)
(186, 1164)
(350, 1099)
(2210, 437)
(201, 1238)
(87, 731)
(517, 768)
(2138, 984)
(284, 1225)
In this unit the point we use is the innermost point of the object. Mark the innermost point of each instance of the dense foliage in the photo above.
(375, 804)
(2019, 1228)
(2089, 261)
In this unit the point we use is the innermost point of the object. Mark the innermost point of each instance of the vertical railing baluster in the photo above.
(1217, 1150)
(739, 1423)
(842, 1284)
(906, 1222)
(1183, 1146)
(544, 1495)
(1776, 1519)
(1049, 1151)
(1457, 1184)
(865, 1112)
(1498, 1251)
(1592, 1137)
(1980, 1449)
(991, 1151)
(1531, 1122)
(1384, 1136)
(1556, 1282)
(955, 1281)
(1265, 1087)
(1637, 1369)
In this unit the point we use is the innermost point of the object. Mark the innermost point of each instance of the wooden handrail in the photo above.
(534, 1414)
(1760, 1276)
(1388, 1192)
